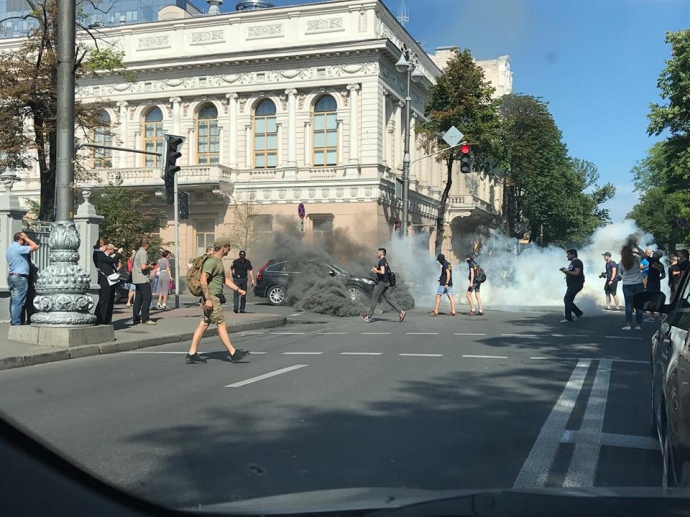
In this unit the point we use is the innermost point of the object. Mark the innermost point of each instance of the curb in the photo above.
(61, 354)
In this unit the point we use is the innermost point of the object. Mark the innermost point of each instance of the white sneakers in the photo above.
(628, 327)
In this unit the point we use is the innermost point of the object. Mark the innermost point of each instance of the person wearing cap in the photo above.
(445, 285)
(141, 278)
(240, 269)
(473, 287)
(212, 280)
(611, 283)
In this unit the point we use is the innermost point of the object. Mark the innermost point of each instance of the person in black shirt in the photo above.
(382, 284)
(473, 287)
(656, 271)
(106, 261)
(445, 285)
(575, 281)
(241, 268)
(611, 283)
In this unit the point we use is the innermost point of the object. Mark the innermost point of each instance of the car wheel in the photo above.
(276, 295)
(355, 293)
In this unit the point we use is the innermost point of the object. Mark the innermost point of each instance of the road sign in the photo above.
(301, 211)
(453, 136)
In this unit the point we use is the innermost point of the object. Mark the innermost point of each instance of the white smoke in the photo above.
(516, 278)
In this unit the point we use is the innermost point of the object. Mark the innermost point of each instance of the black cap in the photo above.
(243, 253)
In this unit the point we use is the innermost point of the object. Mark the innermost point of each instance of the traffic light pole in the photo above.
(176, 210)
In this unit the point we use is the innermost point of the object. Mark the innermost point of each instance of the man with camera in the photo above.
(575, 281)
(611, 283)
(141, 278)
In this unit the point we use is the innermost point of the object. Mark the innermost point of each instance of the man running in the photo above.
(382, 271)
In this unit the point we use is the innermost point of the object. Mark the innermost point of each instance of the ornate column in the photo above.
(354, 123)
(292, 128)
(122, 156)
(232, 135)
(307, 144)
(339, 132)
(248, 147)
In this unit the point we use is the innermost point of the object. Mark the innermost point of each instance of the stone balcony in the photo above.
(471, 209)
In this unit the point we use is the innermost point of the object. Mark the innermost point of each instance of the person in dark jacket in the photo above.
(106, 261)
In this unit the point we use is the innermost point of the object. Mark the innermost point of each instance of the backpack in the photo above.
(391, 276)
(194, 275)
(479, 275)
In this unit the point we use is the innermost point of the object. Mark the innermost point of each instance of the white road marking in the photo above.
(585, 460)
(376, 333)
(421, 355)
(296, 314)
(332, 333)
(360, 353)
(302, 353)
(288, 333)
(266, 376)
(613, 359)
(571, 335)
(519, 335)
(535, 470)
(468, 334)
(421, 333)
(469, 356)
(629, 441)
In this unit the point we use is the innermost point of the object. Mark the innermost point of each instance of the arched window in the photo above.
(102, 158)
(153, 135)
(325, 132)
(265, 135)
(208, 141)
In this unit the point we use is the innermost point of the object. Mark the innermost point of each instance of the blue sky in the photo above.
(596, 62)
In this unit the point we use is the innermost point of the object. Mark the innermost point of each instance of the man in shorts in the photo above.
(611, 285)
(473, 287)
(445, 285)
(212, 280)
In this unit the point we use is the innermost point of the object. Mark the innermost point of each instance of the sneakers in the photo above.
(150, 322)
(627, 327)
(402, 315)
(637, 327)
(194, 359)
(159, 306)
(565, 320)
(366, 318)
(238, 355)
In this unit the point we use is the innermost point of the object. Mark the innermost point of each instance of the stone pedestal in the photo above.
(61, 336)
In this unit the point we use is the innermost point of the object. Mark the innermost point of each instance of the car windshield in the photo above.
(273, 247)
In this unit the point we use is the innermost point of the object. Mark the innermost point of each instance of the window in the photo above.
(205, 235)
(265, 135)
(102, 158)
(208, 142)
(153, 135)
(325, 132)
(322, 226)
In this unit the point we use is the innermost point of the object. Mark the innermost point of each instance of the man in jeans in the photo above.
(141, 274)
(382, 285)
(19, 264)
(575, 281)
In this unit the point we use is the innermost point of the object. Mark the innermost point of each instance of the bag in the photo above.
(479, 275)
(194, 275)
(391, 276)
(171, 286)
(113, 278)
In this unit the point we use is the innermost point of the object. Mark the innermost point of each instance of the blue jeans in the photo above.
(19, 287)
(628, 293)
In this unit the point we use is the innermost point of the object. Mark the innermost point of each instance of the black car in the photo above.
(670, 362)
(274, 279)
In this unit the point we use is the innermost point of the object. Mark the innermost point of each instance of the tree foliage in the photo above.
(461, 97)
(28, 97)
(550, 196)
(243, 232)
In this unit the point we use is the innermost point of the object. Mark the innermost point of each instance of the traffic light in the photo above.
(183, 205)
(169, 167)
(465, 159)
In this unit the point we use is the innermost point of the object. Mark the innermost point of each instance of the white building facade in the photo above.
(281, 106)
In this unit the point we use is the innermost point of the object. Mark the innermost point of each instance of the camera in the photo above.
(603, 275)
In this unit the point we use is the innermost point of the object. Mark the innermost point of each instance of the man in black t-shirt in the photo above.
(382, 283)
(241, 268)
(445, 285)
(575, 280)
(611, 282)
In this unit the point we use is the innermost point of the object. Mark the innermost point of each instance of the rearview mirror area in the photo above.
(650, 301)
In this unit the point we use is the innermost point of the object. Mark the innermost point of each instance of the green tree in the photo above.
(125, 219)
(243, 232)
(28, 96)
(545, 191)
(462, 98)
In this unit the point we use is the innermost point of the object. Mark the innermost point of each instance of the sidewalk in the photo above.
(174, 326)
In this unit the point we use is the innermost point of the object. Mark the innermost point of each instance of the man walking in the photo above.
(212, 280)
(445, 285)
(141, 276)
(611, 285)
(240, 269)
(18, 257)
(382, 271)
(575, 281)
(473, 287)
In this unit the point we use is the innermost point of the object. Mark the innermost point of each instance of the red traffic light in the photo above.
(465, 149)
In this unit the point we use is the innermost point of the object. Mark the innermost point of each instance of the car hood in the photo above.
(563, 502)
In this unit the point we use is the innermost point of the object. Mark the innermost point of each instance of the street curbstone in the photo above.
(83, 351)
(46, 357)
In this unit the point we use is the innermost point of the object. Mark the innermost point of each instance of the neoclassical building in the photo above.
(281, 106)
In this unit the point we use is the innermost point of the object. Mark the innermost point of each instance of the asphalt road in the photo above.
(507, 400)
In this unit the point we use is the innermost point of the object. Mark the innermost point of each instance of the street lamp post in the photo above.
(409, 63)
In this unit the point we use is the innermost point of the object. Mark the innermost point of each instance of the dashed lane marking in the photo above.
(468, 334)
(629, 441)
(470, 356)
(332, 333)
(421, 333)
(266, 376)
(288, 333)
(361, 353)
(302, 353)
(376, 333)
(518, 335)
(421, 355)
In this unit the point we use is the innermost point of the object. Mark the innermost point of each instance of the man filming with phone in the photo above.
(141, 277)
